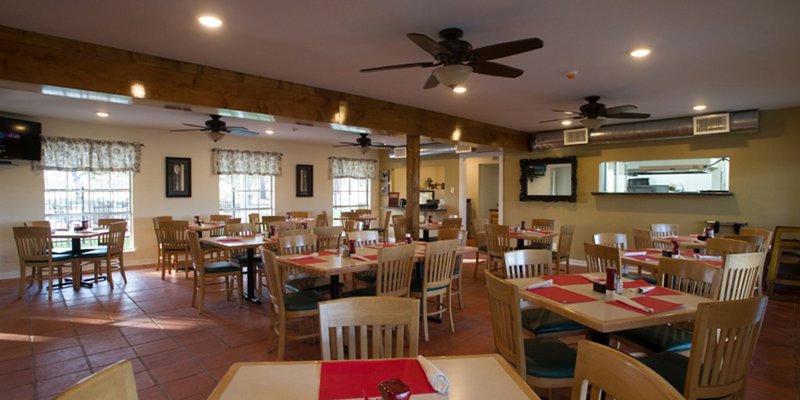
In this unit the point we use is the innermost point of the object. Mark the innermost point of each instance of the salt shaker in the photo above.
(408, 238)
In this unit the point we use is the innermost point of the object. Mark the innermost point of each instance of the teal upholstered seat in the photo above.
(549, 358)
(316, 283)
(365, 291)
(659, 338)
(649, 279)
(61, 257)
(220, 267)
(369, 277)
(302, 301)
(671, 366)
(416, 286)
(540, 321)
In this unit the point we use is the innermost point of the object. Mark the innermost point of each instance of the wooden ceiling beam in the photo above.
(42, 59)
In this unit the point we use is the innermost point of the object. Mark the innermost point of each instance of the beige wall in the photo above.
(440, 169)
(22, 196)
(764, 168)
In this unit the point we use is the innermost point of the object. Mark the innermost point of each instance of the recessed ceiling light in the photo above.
(210, 21)
(566, 122)
(138, 91)
(639, 53)
(102, 114)
(460, 89)
(269, 131)
(699, 107)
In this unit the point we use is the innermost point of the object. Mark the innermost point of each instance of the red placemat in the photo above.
(636, 284)
(657, 305)
(662, 291)
(372, 257)
(328, 252)
(566, 280)
(354, 379)
(561, 295)
(229, 240)
(309, 260)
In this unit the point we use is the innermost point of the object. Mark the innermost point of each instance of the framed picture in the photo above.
(179, 177)
(305, 181)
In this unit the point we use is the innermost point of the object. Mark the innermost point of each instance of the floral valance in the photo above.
(351, 168)
(245, 162)
(78, 154)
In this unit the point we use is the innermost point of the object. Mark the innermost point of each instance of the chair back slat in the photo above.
(321, 220)
(34, 245)
(506, 322)
(439, 263)
(740, 275)
(599, 257)
(766, 234)
(643, 239)
(619, 240)
(452, 222)
(173, 234)
(544, 224)
(528, 263)
(399, 226)
(393, 275)
(297, 244)
(723, 247)
(352, 225)
(662, 230)
(364, 238)
(240, 229)
(328, 237)
(689, 276)
(276, 278)
(116, 238)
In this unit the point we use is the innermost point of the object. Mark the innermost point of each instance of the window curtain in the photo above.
(78, 154)
(244, 162)
(351, 168)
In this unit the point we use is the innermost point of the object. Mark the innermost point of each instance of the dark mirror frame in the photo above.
(523, 179)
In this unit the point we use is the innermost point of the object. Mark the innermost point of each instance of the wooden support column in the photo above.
(412, 185)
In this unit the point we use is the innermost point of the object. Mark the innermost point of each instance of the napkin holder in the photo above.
(394, 389)
(599, 287)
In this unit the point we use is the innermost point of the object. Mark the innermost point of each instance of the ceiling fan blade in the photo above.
(344, 144)
(629, 115)
(241, 131)
(560, 119)
(495, 69)
(432, 82)
(506, 49)
(426, 43)
(401, 66)
(382, 146)
(620, 109)
(187, 130)
(195, 126)
(568, 112)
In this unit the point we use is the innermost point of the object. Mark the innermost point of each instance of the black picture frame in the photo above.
(531, 168)
(305, 181)
(179, 177)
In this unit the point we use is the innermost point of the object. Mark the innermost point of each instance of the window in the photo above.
(240, 195)
(350, 194)
(71, 196)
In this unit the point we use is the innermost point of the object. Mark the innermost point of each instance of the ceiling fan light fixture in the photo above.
(459, 89)
(216, 136)
(452, 75)
(592, 123)
(364, 150)
(566, 122)
(640, 52)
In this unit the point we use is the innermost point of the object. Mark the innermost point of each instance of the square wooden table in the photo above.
(603, 318)
(531, 234)
(249, 244)
(685, 241)
(650, 260)
(77, 237)
(205, 226)
(472, 377)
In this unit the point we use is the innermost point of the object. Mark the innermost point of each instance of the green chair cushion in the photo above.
(61, 257)
(549, 358)
(671, 366)
(219, 267)
(540, 321)
(95, 253)
(308, 283)
(647, 278)
(361, 292)
(416, 286)
(660, 338)
(483, 249)
(302, 301)
(366, 276)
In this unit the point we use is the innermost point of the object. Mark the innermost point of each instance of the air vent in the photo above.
(399, 152)
(576, 136)
(710, 124)
(463, 148)
(179, 107)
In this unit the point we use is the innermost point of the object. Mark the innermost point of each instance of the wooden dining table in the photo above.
(572, 296)
(249, 244)
(205, 227)
(649, 260)
(685, 241)
(531, 234)
(471, 377)
(76, 238)
(329, 264)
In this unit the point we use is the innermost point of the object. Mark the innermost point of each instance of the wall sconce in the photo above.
(431, 185)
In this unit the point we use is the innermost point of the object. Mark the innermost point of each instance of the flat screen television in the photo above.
(20, 140)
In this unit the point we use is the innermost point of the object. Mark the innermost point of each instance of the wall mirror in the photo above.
(695, 175)
(548, 179)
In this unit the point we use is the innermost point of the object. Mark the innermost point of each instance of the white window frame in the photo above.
(360, 203)
(239, 210)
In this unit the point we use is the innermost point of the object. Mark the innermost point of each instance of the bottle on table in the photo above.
(408, 238)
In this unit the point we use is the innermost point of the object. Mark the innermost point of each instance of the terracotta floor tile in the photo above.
(164, 358)
(58, 355)
(156, 346)
(25, 392)
(143, 380)
(44, 344)
(15, 365)
(44, 372)
(59, 384)
(152, 393)
(15, 379)
(174, 371)
(200, 384)
(103, 345)
(100, 360)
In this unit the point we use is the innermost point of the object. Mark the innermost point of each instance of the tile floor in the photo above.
(177, 354)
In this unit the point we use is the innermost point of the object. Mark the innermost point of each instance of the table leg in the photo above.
(250, 295)
(76, 267)
(598, 337)
(335, 290)
(426, 235)
(520, 243)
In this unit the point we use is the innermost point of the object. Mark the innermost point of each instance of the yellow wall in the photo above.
(22, 196)
(440, 169)
(764, 178)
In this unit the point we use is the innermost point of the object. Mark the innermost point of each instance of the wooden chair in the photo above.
(240, 229)
(498, 243)
(784, 264)
(321, 220)
(112, 252)
(160, 255)
(352, 225)
(451, 222)
(755, 240)
(113, 382)
(297, 244)
(436, 283)
(218, 219)
(172, 235)
(384, 230)
(279, 226)
(347, 215)
(563, 248)
(599, 257)
(642, 239)
(740, 276)
(688, 276)
(399, 228)
(233, 221)
(663, 230)
(461, 236)
(723, 342)
(364, 212)
(293, 232)
(604, 373)
(543, 362)
(546, 225)
(205, 271)
(298, 214)
(479, 228)
(363, 238)
(286, 307)
(34, 248)
(239, 257)
(723, 247)
(370, 327)
(255, 220)
(619, 240)
(392, 274)
(267, 219)
(494, 217)
(328, 237)
(766, 234)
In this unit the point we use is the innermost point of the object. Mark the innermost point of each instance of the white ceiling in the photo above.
(728, 54)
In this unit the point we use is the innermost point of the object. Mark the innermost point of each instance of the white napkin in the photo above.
(358, 257)
(592, 278)
(705, 257)
(435, 376)
(539, 285)
(627, 301)
(635, 253)
(303, 257)
(645, 289)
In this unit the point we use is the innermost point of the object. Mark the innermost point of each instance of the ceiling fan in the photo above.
(455, 58)
(365, 143)
(592, 114)
(217, 128)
